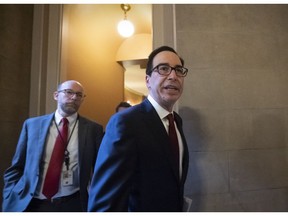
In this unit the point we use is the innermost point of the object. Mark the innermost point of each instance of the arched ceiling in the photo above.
(139, 14)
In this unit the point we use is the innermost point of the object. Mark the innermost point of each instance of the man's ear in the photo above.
(55, 94)
(147, 78)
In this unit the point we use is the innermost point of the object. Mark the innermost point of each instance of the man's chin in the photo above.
(70, 111)
(173, 97)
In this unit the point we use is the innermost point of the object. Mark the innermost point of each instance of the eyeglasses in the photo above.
(165, 70)
(70, 93)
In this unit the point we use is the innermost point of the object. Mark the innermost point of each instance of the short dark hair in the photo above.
(149, 66)
(122, 104)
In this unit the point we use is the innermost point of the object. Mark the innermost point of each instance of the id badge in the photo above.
(67, 178)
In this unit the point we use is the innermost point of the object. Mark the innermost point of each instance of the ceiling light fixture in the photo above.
(125, 27)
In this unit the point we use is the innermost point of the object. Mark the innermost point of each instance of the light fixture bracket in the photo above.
(125, 7)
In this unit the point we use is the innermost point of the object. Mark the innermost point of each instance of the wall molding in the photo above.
(46, 58)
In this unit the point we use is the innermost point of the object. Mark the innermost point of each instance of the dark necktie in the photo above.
(173, 139)
(51, 182)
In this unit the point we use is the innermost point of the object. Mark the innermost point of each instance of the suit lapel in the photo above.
(178, 121)
(43, 132)
(155, 125)
(82, 131)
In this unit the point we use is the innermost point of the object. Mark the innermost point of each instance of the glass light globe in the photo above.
(125, 28)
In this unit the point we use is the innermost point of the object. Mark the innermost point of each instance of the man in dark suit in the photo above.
(24, 179)
(136, 170)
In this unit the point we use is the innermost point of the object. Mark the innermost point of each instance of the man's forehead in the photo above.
(167, 57)
(71, 85)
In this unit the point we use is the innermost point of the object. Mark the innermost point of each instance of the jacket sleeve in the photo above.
(114, 168)
(15, 171)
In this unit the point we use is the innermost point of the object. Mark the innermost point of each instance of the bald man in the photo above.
(27, 184)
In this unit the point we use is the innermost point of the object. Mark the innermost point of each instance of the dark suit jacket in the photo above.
(21, 178)
(134, 169)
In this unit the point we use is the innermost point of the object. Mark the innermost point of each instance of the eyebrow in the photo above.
(169, 65)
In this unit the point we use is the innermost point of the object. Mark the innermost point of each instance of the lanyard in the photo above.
(67, 153)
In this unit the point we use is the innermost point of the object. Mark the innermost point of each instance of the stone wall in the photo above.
(15, 64)
(235, 105)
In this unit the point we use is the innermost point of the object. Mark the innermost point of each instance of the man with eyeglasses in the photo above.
(137, 168)
(54, 159)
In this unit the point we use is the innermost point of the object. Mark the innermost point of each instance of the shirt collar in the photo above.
(160, 110)
(71, 118)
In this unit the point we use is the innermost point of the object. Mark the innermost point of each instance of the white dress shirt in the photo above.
(72, 147)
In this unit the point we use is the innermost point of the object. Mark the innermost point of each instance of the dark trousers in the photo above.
(70, 203)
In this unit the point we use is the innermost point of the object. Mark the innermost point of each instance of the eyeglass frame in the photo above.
(70, 93)
(181, 74)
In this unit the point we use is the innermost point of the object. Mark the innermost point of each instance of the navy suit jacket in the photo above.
(21, 178)
(134, 169)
